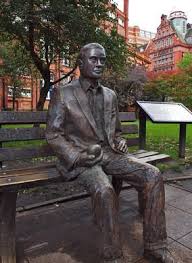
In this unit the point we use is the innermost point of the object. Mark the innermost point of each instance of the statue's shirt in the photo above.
(96, 104)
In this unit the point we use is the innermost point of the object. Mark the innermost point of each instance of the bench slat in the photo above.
(132, 141)
(11, 154)
(7, 117)
(25, 171)
(127, 116)
(139, 151)
(21, 134)
(36, 133)
(155, 158)
(130, 129)
(33, 176)
(145, 154)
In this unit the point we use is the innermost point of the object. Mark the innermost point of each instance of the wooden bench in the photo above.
(19, 126)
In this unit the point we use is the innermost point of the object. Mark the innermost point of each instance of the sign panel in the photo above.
(166, 111)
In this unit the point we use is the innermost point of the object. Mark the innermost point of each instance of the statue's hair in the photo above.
(87, 47)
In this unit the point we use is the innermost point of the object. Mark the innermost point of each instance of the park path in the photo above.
(65, 233)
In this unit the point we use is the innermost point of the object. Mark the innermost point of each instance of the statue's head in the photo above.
(91, 60)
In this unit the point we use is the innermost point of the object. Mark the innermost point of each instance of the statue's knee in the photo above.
(107, 193)
(153, 175)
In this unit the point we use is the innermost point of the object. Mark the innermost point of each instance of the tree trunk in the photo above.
(14, 95)
(43, 94)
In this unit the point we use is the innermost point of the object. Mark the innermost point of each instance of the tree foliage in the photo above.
(49, 30)
(128, 86)
(186, 62)
(171, 87)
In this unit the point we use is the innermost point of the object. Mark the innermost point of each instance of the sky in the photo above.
(147, 13)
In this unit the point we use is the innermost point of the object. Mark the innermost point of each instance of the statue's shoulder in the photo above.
(109, 91)
(69, 86)
(67, 89)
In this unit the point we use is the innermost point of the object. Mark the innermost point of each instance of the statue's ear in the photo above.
(80, 63)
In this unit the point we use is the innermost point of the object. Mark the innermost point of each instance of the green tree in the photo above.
(175, 87)
(49, 30)
(182, 88)
(158, 88)
(186, 62)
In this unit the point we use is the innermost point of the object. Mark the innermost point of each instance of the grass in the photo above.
(165, 138)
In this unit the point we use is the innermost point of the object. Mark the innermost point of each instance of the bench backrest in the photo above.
(19, 126)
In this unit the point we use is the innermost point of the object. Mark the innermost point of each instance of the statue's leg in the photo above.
(148, 181)
(105, 209)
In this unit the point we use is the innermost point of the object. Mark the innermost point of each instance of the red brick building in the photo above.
(31, 86)
(172, 40)
(139, 37)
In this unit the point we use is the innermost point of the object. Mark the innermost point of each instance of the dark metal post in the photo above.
(1, 164)
(182, 140)
(142, 130)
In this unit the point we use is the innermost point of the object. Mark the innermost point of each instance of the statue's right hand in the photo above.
(88, 160)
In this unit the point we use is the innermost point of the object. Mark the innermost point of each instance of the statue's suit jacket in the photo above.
(71, 127)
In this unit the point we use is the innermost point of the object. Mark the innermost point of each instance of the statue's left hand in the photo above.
(122, 146)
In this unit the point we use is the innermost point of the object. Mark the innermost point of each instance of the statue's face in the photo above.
(93, 63)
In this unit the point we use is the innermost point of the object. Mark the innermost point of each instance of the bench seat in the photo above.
(18, 178)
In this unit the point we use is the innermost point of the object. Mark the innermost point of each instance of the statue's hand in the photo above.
(93, 155)
(122, 146)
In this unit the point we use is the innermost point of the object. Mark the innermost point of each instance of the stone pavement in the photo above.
(65, 233)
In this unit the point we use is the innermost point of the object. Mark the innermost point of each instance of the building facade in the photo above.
(139, 37)
(172, 40)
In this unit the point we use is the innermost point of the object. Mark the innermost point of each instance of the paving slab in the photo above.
(179, 223)
(173, 193)
(65, 233)
(183, 203)
(186, 241)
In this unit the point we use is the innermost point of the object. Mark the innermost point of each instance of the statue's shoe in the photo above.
(112, 254)
(162, 255)
(118, 260)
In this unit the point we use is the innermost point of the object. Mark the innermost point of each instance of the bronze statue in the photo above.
(84, 130)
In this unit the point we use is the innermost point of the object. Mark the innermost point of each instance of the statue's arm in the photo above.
(55, 131)
(120, 142)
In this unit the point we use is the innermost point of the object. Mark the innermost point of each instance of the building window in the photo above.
(121, 21)
(65, 62)
(112, 15)
(177, 22)
(19, 92)
(26, 93)
(184, 27)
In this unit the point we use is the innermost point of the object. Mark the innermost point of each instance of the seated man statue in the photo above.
(84, 131)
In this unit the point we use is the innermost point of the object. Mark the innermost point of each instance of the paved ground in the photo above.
(65, 233)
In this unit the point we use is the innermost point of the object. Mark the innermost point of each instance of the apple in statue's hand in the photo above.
(94, 150)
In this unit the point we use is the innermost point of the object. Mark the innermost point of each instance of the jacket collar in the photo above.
(86, 84)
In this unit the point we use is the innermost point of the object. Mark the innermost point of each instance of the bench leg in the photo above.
(117, 185)
(7, 227)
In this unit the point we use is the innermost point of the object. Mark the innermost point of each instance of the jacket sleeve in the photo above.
(118, 128)
(55, 131)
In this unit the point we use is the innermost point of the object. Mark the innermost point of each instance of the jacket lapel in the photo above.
(84, 105)
(107, 110)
